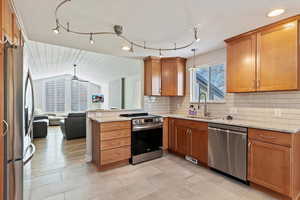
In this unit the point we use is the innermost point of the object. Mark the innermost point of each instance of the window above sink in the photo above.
(211, 80)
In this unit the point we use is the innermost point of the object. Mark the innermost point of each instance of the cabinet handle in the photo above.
(6, 128)
(258, 84)
(267, 137)
(249, 146)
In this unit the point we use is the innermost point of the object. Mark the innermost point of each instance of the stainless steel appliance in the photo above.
(146, 138)
(227, 149)
(18, 143)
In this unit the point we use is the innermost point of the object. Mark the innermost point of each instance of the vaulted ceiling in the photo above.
(45, 60)
(158, 22)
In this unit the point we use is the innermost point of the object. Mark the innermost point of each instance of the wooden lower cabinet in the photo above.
(189, 138)
(269, 166)
(273, 161)
(111, 144)
(1, 121)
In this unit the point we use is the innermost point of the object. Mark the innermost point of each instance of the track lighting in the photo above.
(117, 31)
(131, 48)
(160, 54)
(125, 48)
(91, 39)
(56, 29)
(197, 39)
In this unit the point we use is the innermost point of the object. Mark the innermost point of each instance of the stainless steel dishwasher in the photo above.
(227, 149)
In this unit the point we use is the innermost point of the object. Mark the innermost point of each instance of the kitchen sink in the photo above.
(203, 117)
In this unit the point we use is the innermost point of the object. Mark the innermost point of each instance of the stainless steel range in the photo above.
(146, 139)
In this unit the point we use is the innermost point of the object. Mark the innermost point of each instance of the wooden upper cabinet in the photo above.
(241, 68)
(152, 76)
(277, 60)
(7, 20)
(16, 32)
(173, 76)
(164, 77)
(265, 59)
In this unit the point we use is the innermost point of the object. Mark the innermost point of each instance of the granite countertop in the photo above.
(109, 119)
(286, 128)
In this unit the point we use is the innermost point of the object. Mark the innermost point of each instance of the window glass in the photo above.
(208, 80)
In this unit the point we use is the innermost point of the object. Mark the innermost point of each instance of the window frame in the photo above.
(192, 74)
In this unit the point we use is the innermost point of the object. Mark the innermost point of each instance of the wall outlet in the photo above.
(277, 112)
(233, 111)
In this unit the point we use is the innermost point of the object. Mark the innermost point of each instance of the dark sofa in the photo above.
(74, 126)
(40, 126)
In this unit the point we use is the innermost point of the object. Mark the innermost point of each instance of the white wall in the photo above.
(115, 93)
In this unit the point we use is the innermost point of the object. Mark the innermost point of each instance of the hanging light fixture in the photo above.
(194, 61)
(197, 39)
(118, 31)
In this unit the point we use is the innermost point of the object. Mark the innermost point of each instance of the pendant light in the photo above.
(194, 61)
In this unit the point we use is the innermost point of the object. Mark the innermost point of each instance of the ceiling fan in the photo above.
(75, 77)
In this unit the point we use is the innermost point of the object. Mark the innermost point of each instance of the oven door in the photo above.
(145, 140)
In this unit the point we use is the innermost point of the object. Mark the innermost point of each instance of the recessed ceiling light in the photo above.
(125, 48)
(276, 12)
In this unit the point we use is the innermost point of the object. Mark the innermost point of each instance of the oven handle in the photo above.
(147, 127)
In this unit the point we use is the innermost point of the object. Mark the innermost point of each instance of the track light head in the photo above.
(197, 39)
(118, 29)
(56, 29)
(91, 39)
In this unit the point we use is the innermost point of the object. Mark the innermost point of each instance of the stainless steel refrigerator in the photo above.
(18, 152)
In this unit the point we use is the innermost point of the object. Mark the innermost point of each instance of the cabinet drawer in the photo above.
(108, 135)
(273, 137)
(115, 155)
(111, 126)
(115, 143)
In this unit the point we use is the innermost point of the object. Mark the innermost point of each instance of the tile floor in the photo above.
(58, 172)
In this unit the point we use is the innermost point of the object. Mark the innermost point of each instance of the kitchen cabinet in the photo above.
(152, 76)
(111, 144)
(277, 58)
(164, 76)
(273, 161)
(189, 138)
(16, 32)
(241, 67)
(1, 120)
(7, 20)
(173, 76)
(265, 59)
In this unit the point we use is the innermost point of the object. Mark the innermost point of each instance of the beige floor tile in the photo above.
(59, 172)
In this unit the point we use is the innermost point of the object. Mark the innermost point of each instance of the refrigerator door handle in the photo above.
(29, 78)
(32, 148)
(6, 128)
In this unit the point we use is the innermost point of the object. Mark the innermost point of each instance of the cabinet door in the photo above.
(152, 74)
(181, 140)
(241, 66)
(173, 76)
(199, 143)
(277, 57)
(7, 20)
(269, 165)
(171, 135)
(1, 120)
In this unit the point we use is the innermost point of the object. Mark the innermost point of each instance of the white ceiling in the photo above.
(45, 60)
(159, 22)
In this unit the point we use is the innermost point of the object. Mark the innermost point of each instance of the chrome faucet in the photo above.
(205, 112)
